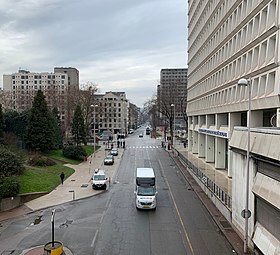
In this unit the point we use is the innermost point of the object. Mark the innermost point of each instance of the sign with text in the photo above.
(223, 134)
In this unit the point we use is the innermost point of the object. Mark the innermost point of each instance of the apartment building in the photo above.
(172, 90)
(133, 116)
(111, 113)
(58, 87)
(227, 41)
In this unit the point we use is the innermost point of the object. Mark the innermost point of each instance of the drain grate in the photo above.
(84, 185)
(8, 252)
(225, 224)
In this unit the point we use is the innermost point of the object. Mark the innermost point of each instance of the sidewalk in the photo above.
(77, 186)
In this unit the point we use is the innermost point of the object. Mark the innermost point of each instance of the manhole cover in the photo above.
(225, 224)
(84, 185)
(65, 224)
(165, 188)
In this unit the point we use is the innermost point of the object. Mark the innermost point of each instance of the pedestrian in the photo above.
(118, 143)
(123, 143)
(62, 175)
(185, 144)
(112, 146)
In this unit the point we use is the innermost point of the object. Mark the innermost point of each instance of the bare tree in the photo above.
(88, 101)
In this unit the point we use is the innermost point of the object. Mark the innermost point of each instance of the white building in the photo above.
(21, 87)
(229, 40)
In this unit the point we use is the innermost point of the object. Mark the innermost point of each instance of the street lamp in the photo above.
(246, 213)
(94, 138)
(174, 128)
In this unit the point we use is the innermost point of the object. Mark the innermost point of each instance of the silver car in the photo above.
(109, 160)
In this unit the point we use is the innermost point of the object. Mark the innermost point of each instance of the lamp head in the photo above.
(243, 82)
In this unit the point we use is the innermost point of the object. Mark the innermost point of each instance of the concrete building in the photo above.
(173, 90)
(112, 112)
(229, 40)
(133, 116)
(58, 87)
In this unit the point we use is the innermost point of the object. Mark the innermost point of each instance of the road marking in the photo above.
(94, 238)
(177, 210)
(143, 147)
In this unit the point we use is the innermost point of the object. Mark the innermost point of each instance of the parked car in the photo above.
(109, 160)
(114, 152)
(141, 135)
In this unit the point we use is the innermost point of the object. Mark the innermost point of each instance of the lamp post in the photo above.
(246, 213)
(94, 138)
(174, 128)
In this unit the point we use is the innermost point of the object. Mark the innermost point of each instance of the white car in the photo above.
(99, 179)
(114, 152)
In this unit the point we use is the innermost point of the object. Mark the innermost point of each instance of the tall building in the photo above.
(229, 40)
(173, 90)
(58, 87)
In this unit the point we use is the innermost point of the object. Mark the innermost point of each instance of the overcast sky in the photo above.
(121, 45)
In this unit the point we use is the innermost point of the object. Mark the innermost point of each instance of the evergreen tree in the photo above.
(16, 123)
(57, 129)
(78, 126)
(40, 125)
(1, 124)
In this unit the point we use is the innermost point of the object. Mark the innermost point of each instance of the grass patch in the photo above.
(42, 179)
(58, 155)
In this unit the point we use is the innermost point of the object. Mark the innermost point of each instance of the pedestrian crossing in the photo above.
(144, 147)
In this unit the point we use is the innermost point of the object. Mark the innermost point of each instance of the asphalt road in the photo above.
(110, 224)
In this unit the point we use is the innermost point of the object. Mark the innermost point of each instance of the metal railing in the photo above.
(207, 182)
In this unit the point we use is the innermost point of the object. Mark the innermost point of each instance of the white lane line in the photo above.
(94, 238)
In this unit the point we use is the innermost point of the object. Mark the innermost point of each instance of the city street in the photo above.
(109, 223)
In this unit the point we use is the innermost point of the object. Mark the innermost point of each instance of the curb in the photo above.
(231, 236)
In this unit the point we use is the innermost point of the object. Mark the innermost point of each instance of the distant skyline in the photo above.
(119, 45)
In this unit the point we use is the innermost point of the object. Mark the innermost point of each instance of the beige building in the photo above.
(229, 40)
(58, 87)
(111, 112)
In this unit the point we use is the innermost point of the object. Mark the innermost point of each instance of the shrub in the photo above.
(39, 160)
(10, 164)
(74, 152)
(9, 187)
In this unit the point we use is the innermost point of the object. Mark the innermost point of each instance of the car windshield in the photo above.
(146, 191)
(99, 177)
(109, 157)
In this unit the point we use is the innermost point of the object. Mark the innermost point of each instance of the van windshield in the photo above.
(99, 177)
(146, 191)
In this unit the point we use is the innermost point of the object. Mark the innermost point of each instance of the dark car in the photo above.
(109, 160)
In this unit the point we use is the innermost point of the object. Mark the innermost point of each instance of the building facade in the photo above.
(133, 116)
(229, 40)
(172, 90)
(112, 110)
(58, 87)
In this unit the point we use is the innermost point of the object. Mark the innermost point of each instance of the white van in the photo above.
(99, 179)
(145, 192)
